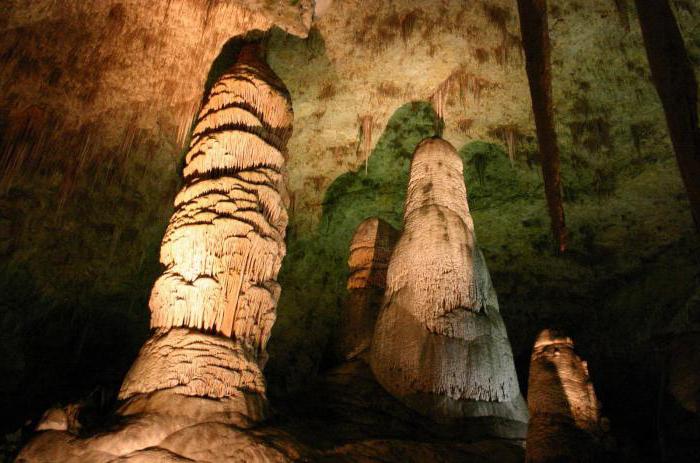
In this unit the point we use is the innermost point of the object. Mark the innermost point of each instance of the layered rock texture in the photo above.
(224, 245)
(214, 306)
(440, 344)
(564, 410)
(370, 250)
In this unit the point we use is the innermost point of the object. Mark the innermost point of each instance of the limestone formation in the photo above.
(370, 250)
(536, 45)
(564, 410)
(214, 306)
(440, 344)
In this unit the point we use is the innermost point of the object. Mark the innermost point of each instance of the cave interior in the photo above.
(340, 230)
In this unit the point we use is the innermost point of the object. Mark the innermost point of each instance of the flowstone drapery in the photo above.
(214, 306)
(370, 250)
(440, 344)
(564, 410)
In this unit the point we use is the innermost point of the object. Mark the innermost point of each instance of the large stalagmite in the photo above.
(564, 410)
(197, 383)
(213, 308)
(440, 344)
(370, 250)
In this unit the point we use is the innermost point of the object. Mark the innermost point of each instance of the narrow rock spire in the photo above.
(213, 307)
(440, 344)
(370, 250)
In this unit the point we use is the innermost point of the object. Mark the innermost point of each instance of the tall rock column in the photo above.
(564, 410)
(534, 28)
(370, 250)
(440, 344)
(213, 307)
(673, 74)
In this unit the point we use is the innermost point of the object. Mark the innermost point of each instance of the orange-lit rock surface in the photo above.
(564, 410)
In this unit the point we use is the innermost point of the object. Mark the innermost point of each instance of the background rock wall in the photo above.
(97, 102)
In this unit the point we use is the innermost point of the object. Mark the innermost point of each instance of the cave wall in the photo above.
(98, 103)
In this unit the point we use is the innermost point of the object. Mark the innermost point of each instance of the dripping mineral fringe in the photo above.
(224, 245)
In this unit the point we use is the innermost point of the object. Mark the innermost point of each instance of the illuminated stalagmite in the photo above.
(213, 308)
(440, 344)
(564, 410)
(197, 384)
(370, 250)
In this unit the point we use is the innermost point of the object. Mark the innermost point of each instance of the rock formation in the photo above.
(224, 245)
(564, 410)
(440, 344)
(213, 308)
(535, 38)
(370, 250)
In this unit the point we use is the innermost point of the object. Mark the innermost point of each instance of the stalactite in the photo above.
(439, 98)
(674, 78)
(535, 34)
(509, 133)
(224, 245)
(564, 410)
(370, 250)
(499, 17)
(459, 82)
(440, 344)
(366, 138)
(465, 125)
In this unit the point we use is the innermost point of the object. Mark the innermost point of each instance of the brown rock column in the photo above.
(213, 307)
(564, 410)
(370, 250)
(535, 34)
(674, 78)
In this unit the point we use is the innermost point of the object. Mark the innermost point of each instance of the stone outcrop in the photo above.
(564, 410)
(370, 250)
(440, 344)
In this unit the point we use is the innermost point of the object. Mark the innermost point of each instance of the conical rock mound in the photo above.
(440, 344)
